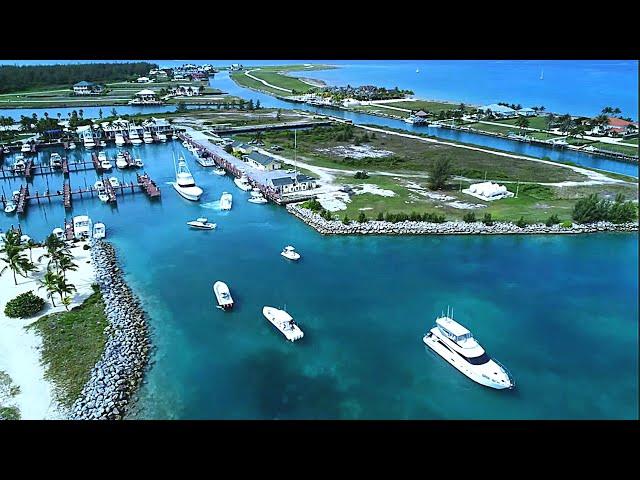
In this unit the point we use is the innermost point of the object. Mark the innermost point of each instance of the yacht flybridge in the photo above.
(185, 185)
(456, 345)
(283, 322)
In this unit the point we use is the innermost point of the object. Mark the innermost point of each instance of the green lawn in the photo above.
(379, 110)
(616, 148)
(484, 127)
(283, 81)
(8, 390)
(427, 106)
(542, 135)
(72, 343)
(539, 122)
(244, 81)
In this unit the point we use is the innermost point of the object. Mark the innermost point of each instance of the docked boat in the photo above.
(290, 253)
(185, 185)
(58, 233)
(19, 166)
(114, 182)
(283, 322)
(99, 185)
(456, 345)
(99, 230)
(201, 223)
(225, 201)
(121, 162)
(81, 227)
(434, 125)
(138, 163)
(26, 148)
(6, 150)
(102, 156)
(10, 207)
(102, 143)
(223, 296)
(119, 139)
(147, 137)
(103, 196)
(72, 146)
(89, 143)
(161, 137)
(55, 160)
(106, 164)
(220, 171)
(256, 197)
(243, 183)
(134, 136)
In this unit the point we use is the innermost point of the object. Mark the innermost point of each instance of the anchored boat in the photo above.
(456, 345)
(202, 223)
(283, 322)
(223, 296)
(290, 253)
(185, 185)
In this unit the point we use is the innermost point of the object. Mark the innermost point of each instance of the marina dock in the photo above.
(148, 185)
(66, 195)
(22, 199)
(111, 191)
(96, 162)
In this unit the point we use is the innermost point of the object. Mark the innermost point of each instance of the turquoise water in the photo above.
(561, 313)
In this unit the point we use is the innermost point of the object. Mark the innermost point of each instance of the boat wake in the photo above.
(215, 205)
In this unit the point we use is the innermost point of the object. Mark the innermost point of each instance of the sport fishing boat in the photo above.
(106, 164)
(223, 296)
(456, 345)
(99, 230)
(290, 253)
(243, 183)
(134, 136)
(81, 226)
(121, 162)
(55, 160)
(202, 223)
(283, 322)
(147, 137)
(99, 185)
(185, 185)
(256, 197)
(89, 143)
(225, 201)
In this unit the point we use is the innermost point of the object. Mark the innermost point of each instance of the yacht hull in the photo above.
(477, 373)
(194, 197)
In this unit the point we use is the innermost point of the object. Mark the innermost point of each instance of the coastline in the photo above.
(375, 227)
(20, 347)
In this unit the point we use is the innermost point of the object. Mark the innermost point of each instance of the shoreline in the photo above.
(376, 227)
(20, 348)
(118, 374)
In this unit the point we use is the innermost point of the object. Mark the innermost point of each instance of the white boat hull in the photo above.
(222, 294)
(477, 373)
(280, 319)
(245, 187)
(202, 226)
(190, 193)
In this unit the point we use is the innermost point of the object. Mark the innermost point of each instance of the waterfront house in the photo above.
(157, 125)
(421, 114)
(236, 66)
(146, 97)
(261, 161)
(143, 80)
(526, 112)
(291, 184)
(499, 110)
(240, 147)
(87, 88)
(185, 91)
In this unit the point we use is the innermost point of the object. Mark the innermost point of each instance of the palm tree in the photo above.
(62, 287)
(522, 122)
(30, 245)
(65, 264)
(13, 257)
(55, 250)
(50, 283)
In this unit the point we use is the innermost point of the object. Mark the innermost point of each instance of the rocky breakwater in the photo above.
(374, 227)
(119, 371)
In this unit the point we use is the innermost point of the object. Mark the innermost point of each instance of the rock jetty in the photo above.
(374, 227)
(119, 371)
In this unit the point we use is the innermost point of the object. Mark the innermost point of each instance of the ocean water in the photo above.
(560, 312)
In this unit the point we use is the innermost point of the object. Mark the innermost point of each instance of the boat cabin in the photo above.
(452, 329)
(81, 228)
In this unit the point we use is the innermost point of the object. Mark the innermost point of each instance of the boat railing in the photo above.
(513, 383)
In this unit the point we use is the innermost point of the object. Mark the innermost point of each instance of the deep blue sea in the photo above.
(561, 312)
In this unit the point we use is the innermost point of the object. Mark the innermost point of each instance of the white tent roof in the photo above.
(146, 92)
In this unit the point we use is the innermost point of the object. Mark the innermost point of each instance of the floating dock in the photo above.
(22, 199)
(66, 195)
(148, 185)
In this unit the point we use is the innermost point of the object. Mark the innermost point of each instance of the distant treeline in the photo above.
(19, 78)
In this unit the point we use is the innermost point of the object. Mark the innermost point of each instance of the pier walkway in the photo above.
(148, 185)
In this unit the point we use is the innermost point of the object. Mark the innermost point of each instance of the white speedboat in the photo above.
(185, 185)
(283, 322)
(290, 253)
(119, 140)
(161, 137)
(202, 223)
(102, 195)
(72, 146)
(10, 207)
(99, 230)
(220, 171)
(55, 160)
(102, 156)
(256, 197)
(225, 201)
(114, 182)
(89, 143)
(120, 161)
(456, 345)
(26, 148)
(147, 137)
(138, 163)
(223, 296)
(242, 183)
(106, 165)
(99, 185)
(81, 227)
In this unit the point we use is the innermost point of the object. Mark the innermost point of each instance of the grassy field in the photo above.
(539, 122)
(8, 390)
(427, 106)
(241, 79)
(72, 343)
(542, 135)
(282, 81)
(616, 148)
(377, 110)
(485, 127)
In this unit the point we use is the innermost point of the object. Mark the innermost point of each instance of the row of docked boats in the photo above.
(136, 139)
(83, 229)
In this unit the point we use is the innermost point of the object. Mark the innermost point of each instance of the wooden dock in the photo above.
(148, 185)
(22, 199)
(28, 169)
(96, 162)
(111, 192)
(68, 229)
(65, 166)
(66, 195)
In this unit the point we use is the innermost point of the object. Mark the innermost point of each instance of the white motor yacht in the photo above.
(456, 345)
(283, 322)
(223, 296)
(102, 195)
(134, 136)
(99, 185)
(102, 156)
(256, 197)
(55, 160)
(147, 137)
(201, 223)
(81, 227)
(114, 182)
(120, 161)
(225, 201)
(119, 139)
(185, 185)
(99, 230)
(19, 165)
(106, 165)
(290, 253)
(161, 137)
(89, 143)
(138, 163)
(243, 183)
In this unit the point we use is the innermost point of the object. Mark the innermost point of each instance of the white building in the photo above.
(526, 112)
(499, 110)
(87, 88)
(488, 191)
(261, 161)
(145, 97)
(290, 184)
(143, 80)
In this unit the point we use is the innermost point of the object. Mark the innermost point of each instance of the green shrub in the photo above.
(487, 219)
(521, 223)
(380, 217)
(566, 224)
(86, 247)
(552, 220)
(345, 220)
(469, 217)
(24, 305)
(362, 218)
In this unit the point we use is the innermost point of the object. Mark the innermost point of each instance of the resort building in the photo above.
(261, 161)
(617, 126)
(243, 148)
(146, 97)
(488, 191)
(185, 91)
(420, 114)
(157, 125)
(143, 80)
(499, 110)
(526, 112)
(87, 88)
(291, 184)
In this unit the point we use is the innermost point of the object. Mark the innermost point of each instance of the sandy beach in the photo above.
(20, 348)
